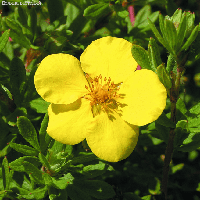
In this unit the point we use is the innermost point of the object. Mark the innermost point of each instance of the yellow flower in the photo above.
(106, 104)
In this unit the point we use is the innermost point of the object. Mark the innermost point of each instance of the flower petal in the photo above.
(145, 97)
(70, 124)
(113, 139)
(59, 79)
(110, 57)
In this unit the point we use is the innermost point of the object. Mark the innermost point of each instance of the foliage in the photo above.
(35, 166)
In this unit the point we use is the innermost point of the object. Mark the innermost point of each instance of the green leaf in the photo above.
(31, 93)
(20, 38)
(96, 10)
(32, 21)
(145, 25)
(154, 54)
(191, 143)
(16, 165)
(91, 171)
(35, 173)
(190, 23)
(177, 17)
(148, 197)
(57, 147)
(166, 42)
(76, 193)
(69, 149)
(44, 138)
(3, 193)
(163, 76)
(97, 189)
(28, 132)
(39, 105)
(26, 150)
(13, 25)
(156, 188)
(55, 44)
(180, 105)
(170, 34)
(177, 167)
(39, 193)
(44, 161)
(141, 56)
(72, 12)
(142, 15)
(83, 158)
(194, 122)
(17, 79)
(181, 32)
(180, 134)
(5, 174)
(182, 124)
(162, 131)
(156, 32)
(165, 121)
(56, 9)
(22, 15)
(57, 161)
(7, 92)
(64, 181)
(191, 38)
(47, 179)
(4, 39)
(195, 109)
(161, 24)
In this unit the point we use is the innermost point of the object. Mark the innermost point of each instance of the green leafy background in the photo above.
(33, 165)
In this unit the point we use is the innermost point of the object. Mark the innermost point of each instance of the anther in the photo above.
(87, 76)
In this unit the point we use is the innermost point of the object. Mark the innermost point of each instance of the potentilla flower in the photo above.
(102, 97)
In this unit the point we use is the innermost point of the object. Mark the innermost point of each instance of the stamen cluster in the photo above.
(101, 91)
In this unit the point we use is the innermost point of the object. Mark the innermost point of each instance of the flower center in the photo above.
(102, 94)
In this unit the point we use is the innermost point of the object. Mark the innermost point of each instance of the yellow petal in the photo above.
(110, 57)
(145, 97)
(113, 139)
(70, 124)
(59, 79)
